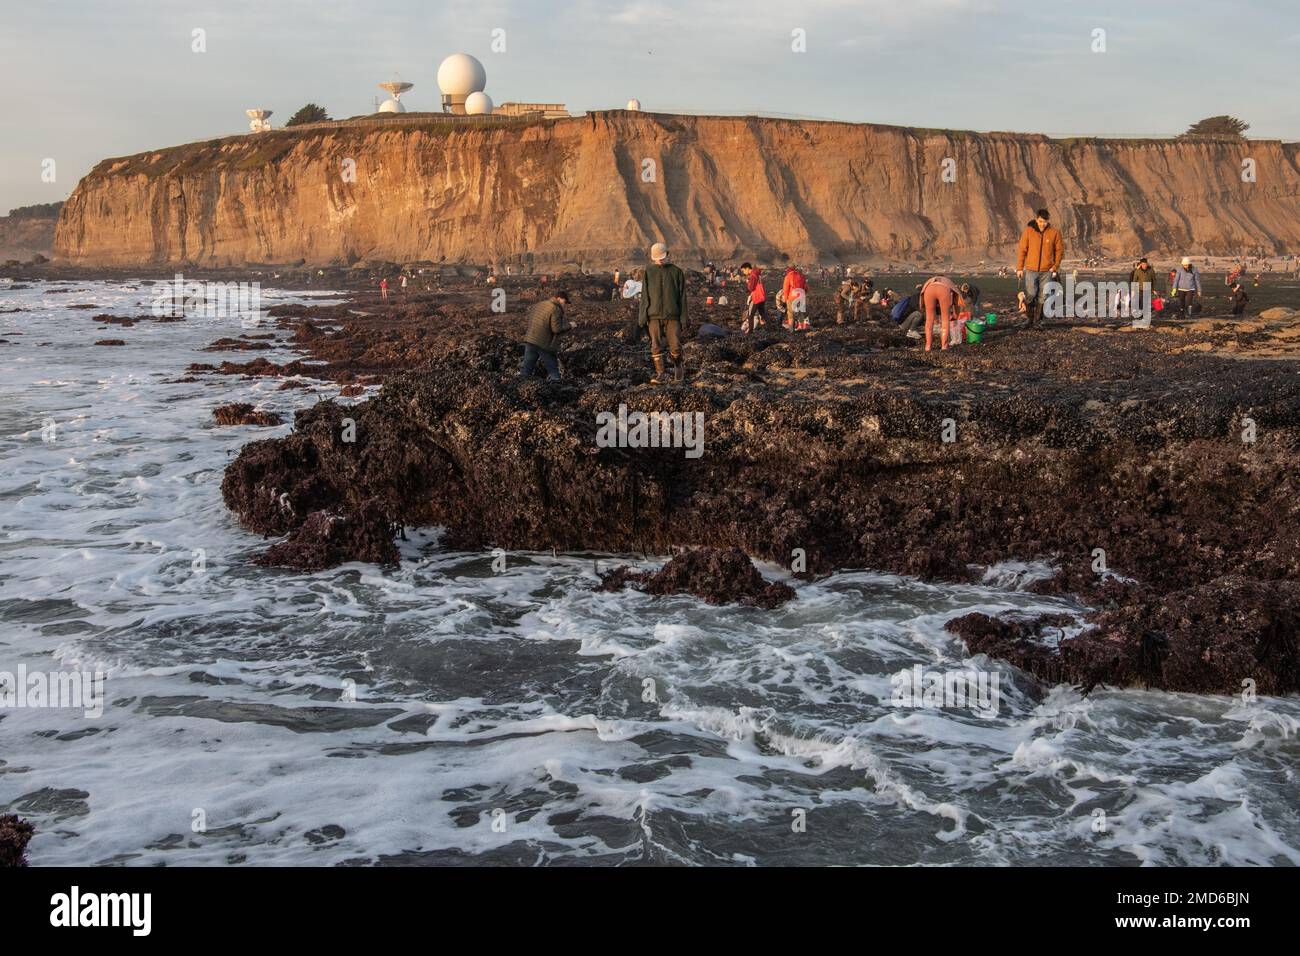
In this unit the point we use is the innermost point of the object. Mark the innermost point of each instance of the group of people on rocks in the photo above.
(662, 312)
(659, 291)
(1186, 288)
(1041, 249)
(791, 300)
(402, 279)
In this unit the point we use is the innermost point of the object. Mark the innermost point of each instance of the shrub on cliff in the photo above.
(311, 113)
(1217, 127)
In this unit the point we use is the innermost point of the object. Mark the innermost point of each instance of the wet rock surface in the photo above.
(324, 540)
(1228, 636)
(719, 576)
(1231, 635)
(243, 413)
(128, 321)
(236, 345)
(15, 834)
(848, 445)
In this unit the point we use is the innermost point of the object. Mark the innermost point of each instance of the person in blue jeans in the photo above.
(546, 323)
(533, 355)
(1038, 260)
(1186, 287)
(907, 313)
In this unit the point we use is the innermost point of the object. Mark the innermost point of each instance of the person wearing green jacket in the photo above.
(663, 311)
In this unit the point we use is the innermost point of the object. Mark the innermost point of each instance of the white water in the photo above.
(518, 692)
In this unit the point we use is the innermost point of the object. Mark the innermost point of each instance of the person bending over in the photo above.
(941, 299)
(546, 323)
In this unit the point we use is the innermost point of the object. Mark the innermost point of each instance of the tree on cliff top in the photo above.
(47, 210)
(1220, 126)
(311, 113)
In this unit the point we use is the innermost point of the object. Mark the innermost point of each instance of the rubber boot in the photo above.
(659, 370)
(679, 370)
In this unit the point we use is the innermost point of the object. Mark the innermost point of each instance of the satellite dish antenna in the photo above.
(258, 122)
(395, 88)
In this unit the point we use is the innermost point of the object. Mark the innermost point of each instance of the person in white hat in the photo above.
(1186, 286)
(663, 311)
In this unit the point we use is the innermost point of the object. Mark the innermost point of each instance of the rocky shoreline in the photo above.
(1157, 477)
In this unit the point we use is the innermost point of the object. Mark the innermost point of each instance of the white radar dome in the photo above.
(460, 74)
(634, 104)
(478, 104)
(392, 106)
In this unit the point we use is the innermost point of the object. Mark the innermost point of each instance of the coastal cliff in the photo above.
(28, 232)
(596, 190)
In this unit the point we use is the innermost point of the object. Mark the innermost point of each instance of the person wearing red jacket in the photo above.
(794, 293)
(756, 314)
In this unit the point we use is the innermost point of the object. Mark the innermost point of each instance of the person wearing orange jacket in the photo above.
(1038, 260)
(794, 293)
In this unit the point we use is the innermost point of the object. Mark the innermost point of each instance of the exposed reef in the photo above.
(718, 575)
(1159, 480)
(243, 413)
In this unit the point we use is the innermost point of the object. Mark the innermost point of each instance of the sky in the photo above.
(83, 80)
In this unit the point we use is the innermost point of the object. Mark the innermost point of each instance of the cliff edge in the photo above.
(596, 190)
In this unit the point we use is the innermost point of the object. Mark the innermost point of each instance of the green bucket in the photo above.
(974, 332)
(991, 319)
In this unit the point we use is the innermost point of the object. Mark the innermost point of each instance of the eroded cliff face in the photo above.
(598, 189)
(25, 238)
